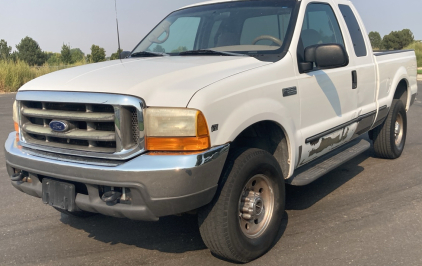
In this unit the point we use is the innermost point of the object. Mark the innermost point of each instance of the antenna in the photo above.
(117, 24)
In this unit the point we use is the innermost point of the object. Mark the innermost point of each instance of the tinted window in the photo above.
(355, 31)
(182, 37)
(260, 26)
(320, 26)
(231, 26)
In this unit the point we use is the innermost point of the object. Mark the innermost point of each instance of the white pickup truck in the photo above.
(215, 110)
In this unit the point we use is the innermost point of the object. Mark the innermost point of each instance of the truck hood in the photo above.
(161, 81)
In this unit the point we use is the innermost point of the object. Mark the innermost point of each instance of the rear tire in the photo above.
(243, 220)
(390, 137)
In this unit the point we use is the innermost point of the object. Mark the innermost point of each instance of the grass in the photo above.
(417, 46)
(420, 71)
(15, 74)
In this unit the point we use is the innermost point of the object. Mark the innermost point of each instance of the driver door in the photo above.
(328, 101)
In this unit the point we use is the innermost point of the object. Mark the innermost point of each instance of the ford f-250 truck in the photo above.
(215, 110)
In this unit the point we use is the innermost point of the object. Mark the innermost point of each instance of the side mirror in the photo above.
(325, 56)
(124, 54)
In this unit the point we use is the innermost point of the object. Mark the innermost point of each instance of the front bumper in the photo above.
(160, 185)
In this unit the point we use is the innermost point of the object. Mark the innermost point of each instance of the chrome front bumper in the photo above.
(161, 185)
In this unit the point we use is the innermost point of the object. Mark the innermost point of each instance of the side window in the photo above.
(258, 26)
(181, 37)
(320, 26)
(354, 30)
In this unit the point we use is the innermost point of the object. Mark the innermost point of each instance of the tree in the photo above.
(159, 49)
(98, 54)
(116, 55)
(397, 40)
(30, 52)
(180, 49)
(4, 50)
(375, 38)
(77, 55)
(54, 59)
(66, 55)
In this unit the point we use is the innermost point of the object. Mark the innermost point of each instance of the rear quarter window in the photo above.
(354, 30)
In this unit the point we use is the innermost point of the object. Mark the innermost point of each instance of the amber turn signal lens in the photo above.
(178, 144)
(16, 127)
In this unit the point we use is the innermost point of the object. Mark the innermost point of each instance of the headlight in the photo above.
(16, 116)
(176, 129)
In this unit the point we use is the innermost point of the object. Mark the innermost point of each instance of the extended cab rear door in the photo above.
(328, 99)
(366, 75)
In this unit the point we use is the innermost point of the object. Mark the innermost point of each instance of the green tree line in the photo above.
(30, 52)
(396, 40)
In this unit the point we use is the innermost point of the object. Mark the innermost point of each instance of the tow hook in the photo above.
(111, 196)
(17, 177)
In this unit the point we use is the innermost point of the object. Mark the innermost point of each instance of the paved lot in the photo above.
(367, 212)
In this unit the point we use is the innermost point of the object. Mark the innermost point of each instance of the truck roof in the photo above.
(208, 2)
(214, 2)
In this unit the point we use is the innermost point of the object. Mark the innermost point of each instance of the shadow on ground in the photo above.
(171, 234)
(301, 198)
(179, 234)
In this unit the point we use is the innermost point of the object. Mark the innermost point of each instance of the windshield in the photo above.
(245, 27)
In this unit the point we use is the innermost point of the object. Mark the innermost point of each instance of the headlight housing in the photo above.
(16, 116)
(176, 129)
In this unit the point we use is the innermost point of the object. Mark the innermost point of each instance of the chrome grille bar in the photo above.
(102, 126)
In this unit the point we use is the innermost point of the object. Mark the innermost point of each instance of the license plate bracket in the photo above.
(59, 194)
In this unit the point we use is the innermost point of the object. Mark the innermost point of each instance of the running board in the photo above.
(321, 166)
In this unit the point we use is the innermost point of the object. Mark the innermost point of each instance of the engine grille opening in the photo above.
(91, 126)
(135, 126)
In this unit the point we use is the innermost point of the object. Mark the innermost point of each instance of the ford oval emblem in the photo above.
(59, 126)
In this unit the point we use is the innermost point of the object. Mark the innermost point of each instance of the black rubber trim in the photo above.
(339, 127)
(412, 100)
(391, 52)
(300, 156)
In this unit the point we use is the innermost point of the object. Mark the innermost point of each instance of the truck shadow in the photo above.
(171, 234)
(301, 198)
(179, 234)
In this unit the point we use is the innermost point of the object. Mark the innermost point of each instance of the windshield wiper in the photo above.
(209, 52)
(147, 54)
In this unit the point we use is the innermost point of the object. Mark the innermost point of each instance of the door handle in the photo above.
(354, 79)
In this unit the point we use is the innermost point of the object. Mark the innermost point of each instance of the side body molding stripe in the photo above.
(334, 129)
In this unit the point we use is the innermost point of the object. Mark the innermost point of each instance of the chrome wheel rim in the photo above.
(256, 206)
(398, 130)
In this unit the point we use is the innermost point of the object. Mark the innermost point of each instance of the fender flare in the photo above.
(242, 117)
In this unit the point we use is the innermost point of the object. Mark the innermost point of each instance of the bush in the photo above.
(15, 74)
(417, 46)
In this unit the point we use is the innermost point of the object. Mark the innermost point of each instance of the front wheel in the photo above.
(243, 220)
(390, 137)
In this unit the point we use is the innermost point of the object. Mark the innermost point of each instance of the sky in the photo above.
(82, 23)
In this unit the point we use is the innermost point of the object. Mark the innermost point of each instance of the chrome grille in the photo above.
(105, 126)
(93, 130)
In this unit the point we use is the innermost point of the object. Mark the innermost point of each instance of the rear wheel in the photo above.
(390, 137)
(243, 220)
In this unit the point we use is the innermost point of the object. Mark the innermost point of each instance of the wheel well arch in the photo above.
(402, 92)
(269, 136)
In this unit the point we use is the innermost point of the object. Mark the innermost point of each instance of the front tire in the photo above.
(243, 220)
(390, 137)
